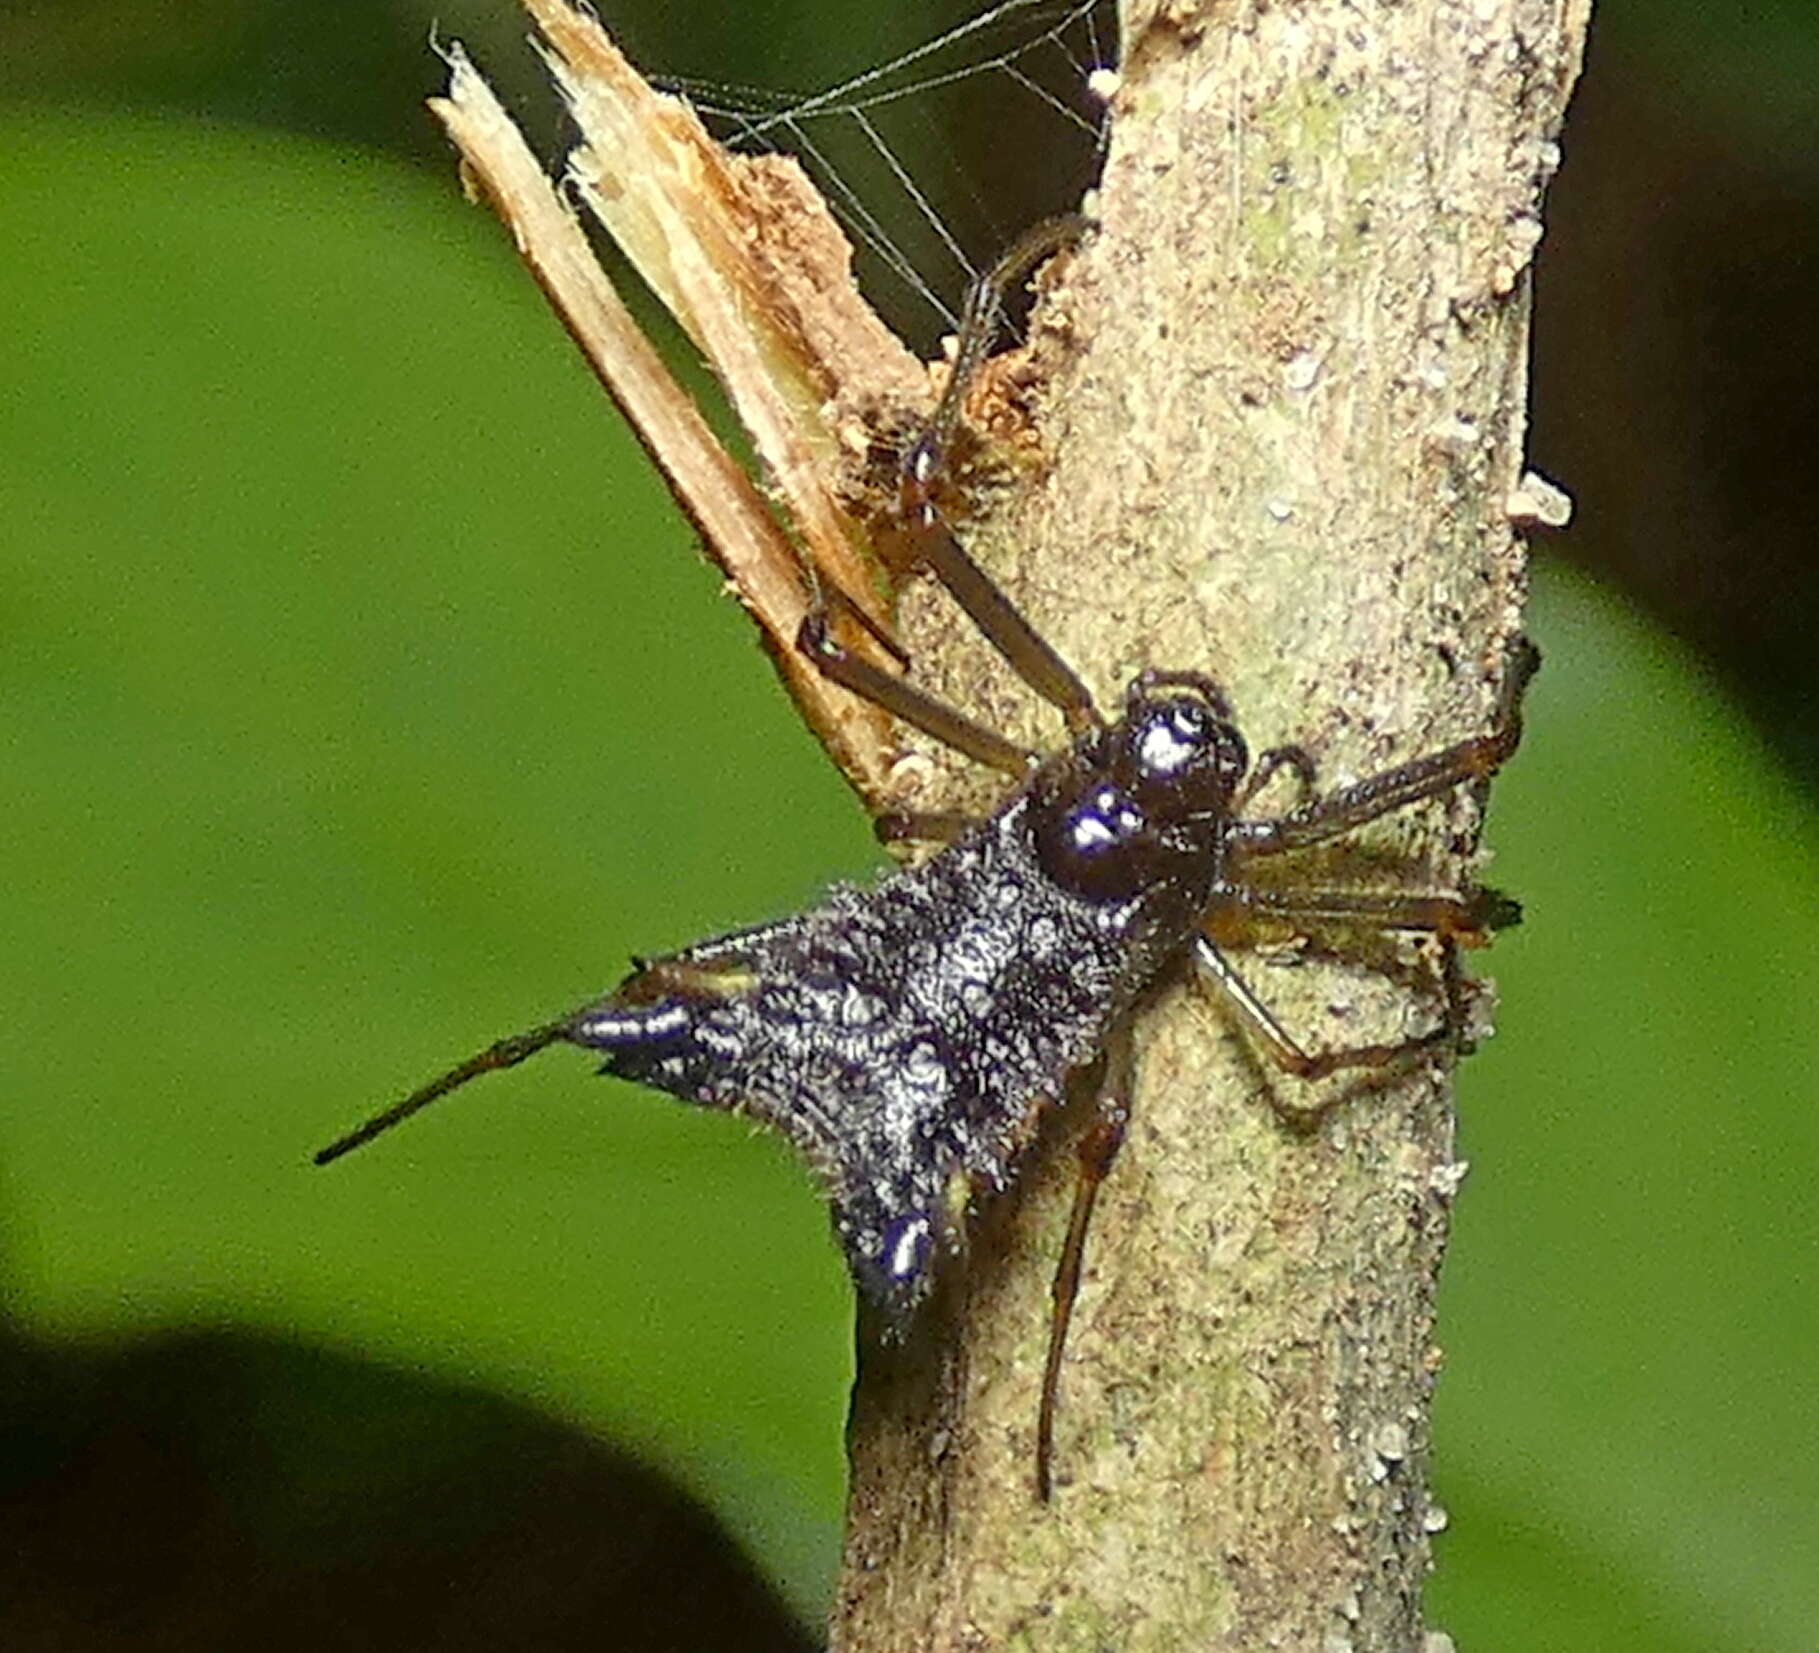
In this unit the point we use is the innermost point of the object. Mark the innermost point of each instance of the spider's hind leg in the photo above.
(1096, 1152)
(1451, 1032)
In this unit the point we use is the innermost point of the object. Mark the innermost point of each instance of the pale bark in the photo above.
(1286, 448)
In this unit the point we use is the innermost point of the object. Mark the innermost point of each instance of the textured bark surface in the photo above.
(1286, 437)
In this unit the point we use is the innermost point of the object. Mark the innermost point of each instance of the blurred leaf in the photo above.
(1626, 1422)
(1743, 78)
(361, 698)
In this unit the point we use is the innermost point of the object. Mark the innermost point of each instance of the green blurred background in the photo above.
(362, 696)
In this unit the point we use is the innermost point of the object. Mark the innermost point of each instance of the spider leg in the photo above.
(903, 700)
(980, 320)
(507, 1053)
(1097, 1151)
(836, 599)
(996, 616)
(998, 619)
(1351, 806)
(644, 1010)
(1152, 678)
(1216, 970)
(923, 827)
(1467, 919)
(1003, 625)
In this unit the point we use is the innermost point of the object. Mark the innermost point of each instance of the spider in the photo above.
(905, 1037)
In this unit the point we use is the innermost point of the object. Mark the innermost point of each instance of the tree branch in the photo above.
(1284, 430)
(1288, 451)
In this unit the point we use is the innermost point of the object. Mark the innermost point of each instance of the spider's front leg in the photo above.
(925, 467)
(1268, 765)
(1468, 919)
(1451, 920)
(1002, 624)
(1352, 806)
(904, 700)
(934, 547)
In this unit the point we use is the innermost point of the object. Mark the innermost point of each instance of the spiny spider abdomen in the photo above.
(903, 1036)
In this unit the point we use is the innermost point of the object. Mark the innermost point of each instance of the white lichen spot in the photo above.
(1103, 83)
(1435, 1520)
(1390, 1443)
(1455, 433)
(1445, 1179)
(1525, 234)
(1535, 502)
(911, 775)
(1279, 509)
(1301, 370)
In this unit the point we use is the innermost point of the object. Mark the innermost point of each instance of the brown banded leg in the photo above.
(903, 700)
(980, 319)
(1215, 969)
(641, 1010)
(997, 618)
(702, 975)
(506, 1053)
(835, 599)
(923, 827)
(1097, 1151)
(1351, 806)
(1028, 653)
(1467, 919)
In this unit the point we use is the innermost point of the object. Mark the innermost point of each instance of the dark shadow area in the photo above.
(215, 1489)
(1677, 373)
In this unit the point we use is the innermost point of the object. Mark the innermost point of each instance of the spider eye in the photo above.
(1097, 845)
(1182, 756)
(1172, 738)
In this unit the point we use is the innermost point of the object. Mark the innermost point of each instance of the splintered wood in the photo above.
(744, 254)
